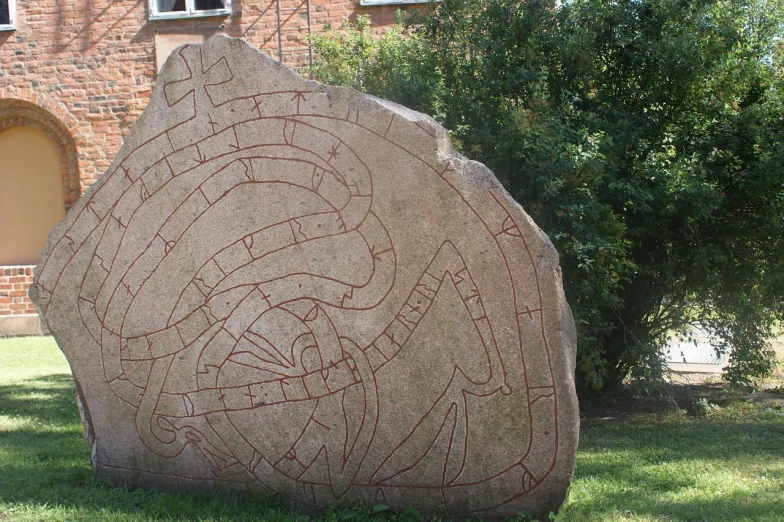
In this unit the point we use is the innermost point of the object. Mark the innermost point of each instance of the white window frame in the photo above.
(396, 2)
(11, 26)
(190, 11)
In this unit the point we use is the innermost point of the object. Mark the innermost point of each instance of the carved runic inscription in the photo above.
(289, 287)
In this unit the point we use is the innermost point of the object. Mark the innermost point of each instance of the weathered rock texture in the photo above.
(289, 287)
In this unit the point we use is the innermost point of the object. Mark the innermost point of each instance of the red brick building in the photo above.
(74, 77)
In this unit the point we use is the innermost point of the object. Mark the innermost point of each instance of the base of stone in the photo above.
(19, 325)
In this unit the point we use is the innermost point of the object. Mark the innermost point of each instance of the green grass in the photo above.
(24, 358)
(728, 465)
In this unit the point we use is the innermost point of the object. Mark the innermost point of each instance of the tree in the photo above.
(646, 137)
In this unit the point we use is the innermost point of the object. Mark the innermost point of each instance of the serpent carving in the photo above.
(256, 300)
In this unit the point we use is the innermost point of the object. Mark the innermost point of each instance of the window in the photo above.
(163, 9)
(7, 15)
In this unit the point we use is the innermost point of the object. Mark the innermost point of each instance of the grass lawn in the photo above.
(726, 465)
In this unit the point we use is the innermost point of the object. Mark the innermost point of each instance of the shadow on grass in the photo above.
(682, 439)
(40, 399)
(722, 468)
(734, 506)
(45, 470)
(41, 442)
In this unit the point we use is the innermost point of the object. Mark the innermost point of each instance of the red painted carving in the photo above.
(248, 329)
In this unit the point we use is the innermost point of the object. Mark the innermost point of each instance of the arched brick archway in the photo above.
(23, 108)
(16, 112)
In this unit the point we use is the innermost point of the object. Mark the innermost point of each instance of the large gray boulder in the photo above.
(287, 287)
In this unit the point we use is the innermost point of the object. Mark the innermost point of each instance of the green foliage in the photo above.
(645, 137)
(391, 64)
(703, 407)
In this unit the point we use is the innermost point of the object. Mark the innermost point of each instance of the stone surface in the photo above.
(20, 325)
(283, 286)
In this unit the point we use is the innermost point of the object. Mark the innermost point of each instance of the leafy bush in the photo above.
(703, 407)
(645, 137)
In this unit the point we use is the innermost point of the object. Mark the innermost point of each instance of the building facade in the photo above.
(74, 77)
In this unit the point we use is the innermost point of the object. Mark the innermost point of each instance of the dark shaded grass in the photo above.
(729, 466)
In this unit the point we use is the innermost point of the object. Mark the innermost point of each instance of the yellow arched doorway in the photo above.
(31, 193)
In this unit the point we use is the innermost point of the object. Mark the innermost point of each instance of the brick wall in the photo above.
(14, 283)
(92, 64)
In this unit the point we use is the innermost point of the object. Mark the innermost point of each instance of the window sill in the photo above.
(396, 2)
(7, 27)
(184, 16)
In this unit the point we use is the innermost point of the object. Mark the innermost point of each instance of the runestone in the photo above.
(280, 286)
